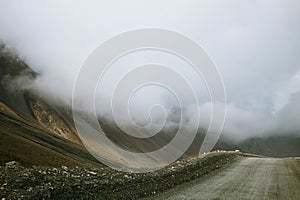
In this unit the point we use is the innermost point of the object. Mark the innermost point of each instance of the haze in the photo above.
(255, 45)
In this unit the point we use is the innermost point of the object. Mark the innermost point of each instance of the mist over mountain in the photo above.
(29, 120)
(149, 99)
(254, 44)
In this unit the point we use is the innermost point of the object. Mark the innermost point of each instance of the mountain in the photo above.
(274, 146)
(32, 131)
(35, 131)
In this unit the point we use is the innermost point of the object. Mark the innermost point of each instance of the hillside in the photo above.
(34, 131)
(31, 131)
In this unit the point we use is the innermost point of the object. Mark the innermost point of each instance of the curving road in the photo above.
(249, 178)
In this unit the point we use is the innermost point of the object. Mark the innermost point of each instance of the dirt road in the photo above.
(249, 178)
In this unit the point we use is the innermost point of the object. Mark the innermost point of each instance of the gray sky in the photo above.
(255, 44)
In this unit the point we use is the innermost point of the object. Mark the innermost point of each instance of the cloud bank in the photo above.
(255, 45)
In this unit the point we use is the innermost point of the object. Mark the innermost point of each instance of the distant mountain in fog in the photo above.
(36, 131)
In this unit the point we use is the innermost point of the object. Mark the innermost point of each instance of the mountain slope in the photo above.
(32, 132)
(35, 131)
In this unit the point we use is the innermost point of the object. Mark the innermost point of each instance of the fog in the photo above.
(254, 44)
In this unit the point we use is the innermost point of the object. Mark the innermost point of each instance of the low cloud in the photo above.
(255, 45)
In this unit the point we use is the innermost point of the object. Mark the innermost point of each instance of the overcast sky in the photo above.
(255, 45)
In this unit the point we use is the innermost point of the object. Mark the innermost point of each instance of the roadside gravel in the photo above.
(18, 182)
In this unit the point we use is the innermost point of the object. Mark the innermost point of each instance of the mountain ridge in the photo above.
(28, 118)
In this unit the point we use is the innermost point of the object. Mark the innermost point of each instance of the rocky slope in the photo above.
(32, 132)
(18, 182)
(41, 155)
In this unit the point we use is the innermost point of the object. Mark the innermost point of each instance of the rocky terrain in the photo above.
(41, 156)
(19, 182)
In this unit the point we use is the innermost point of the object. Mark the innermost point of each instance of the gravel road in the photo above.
(249, 178)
